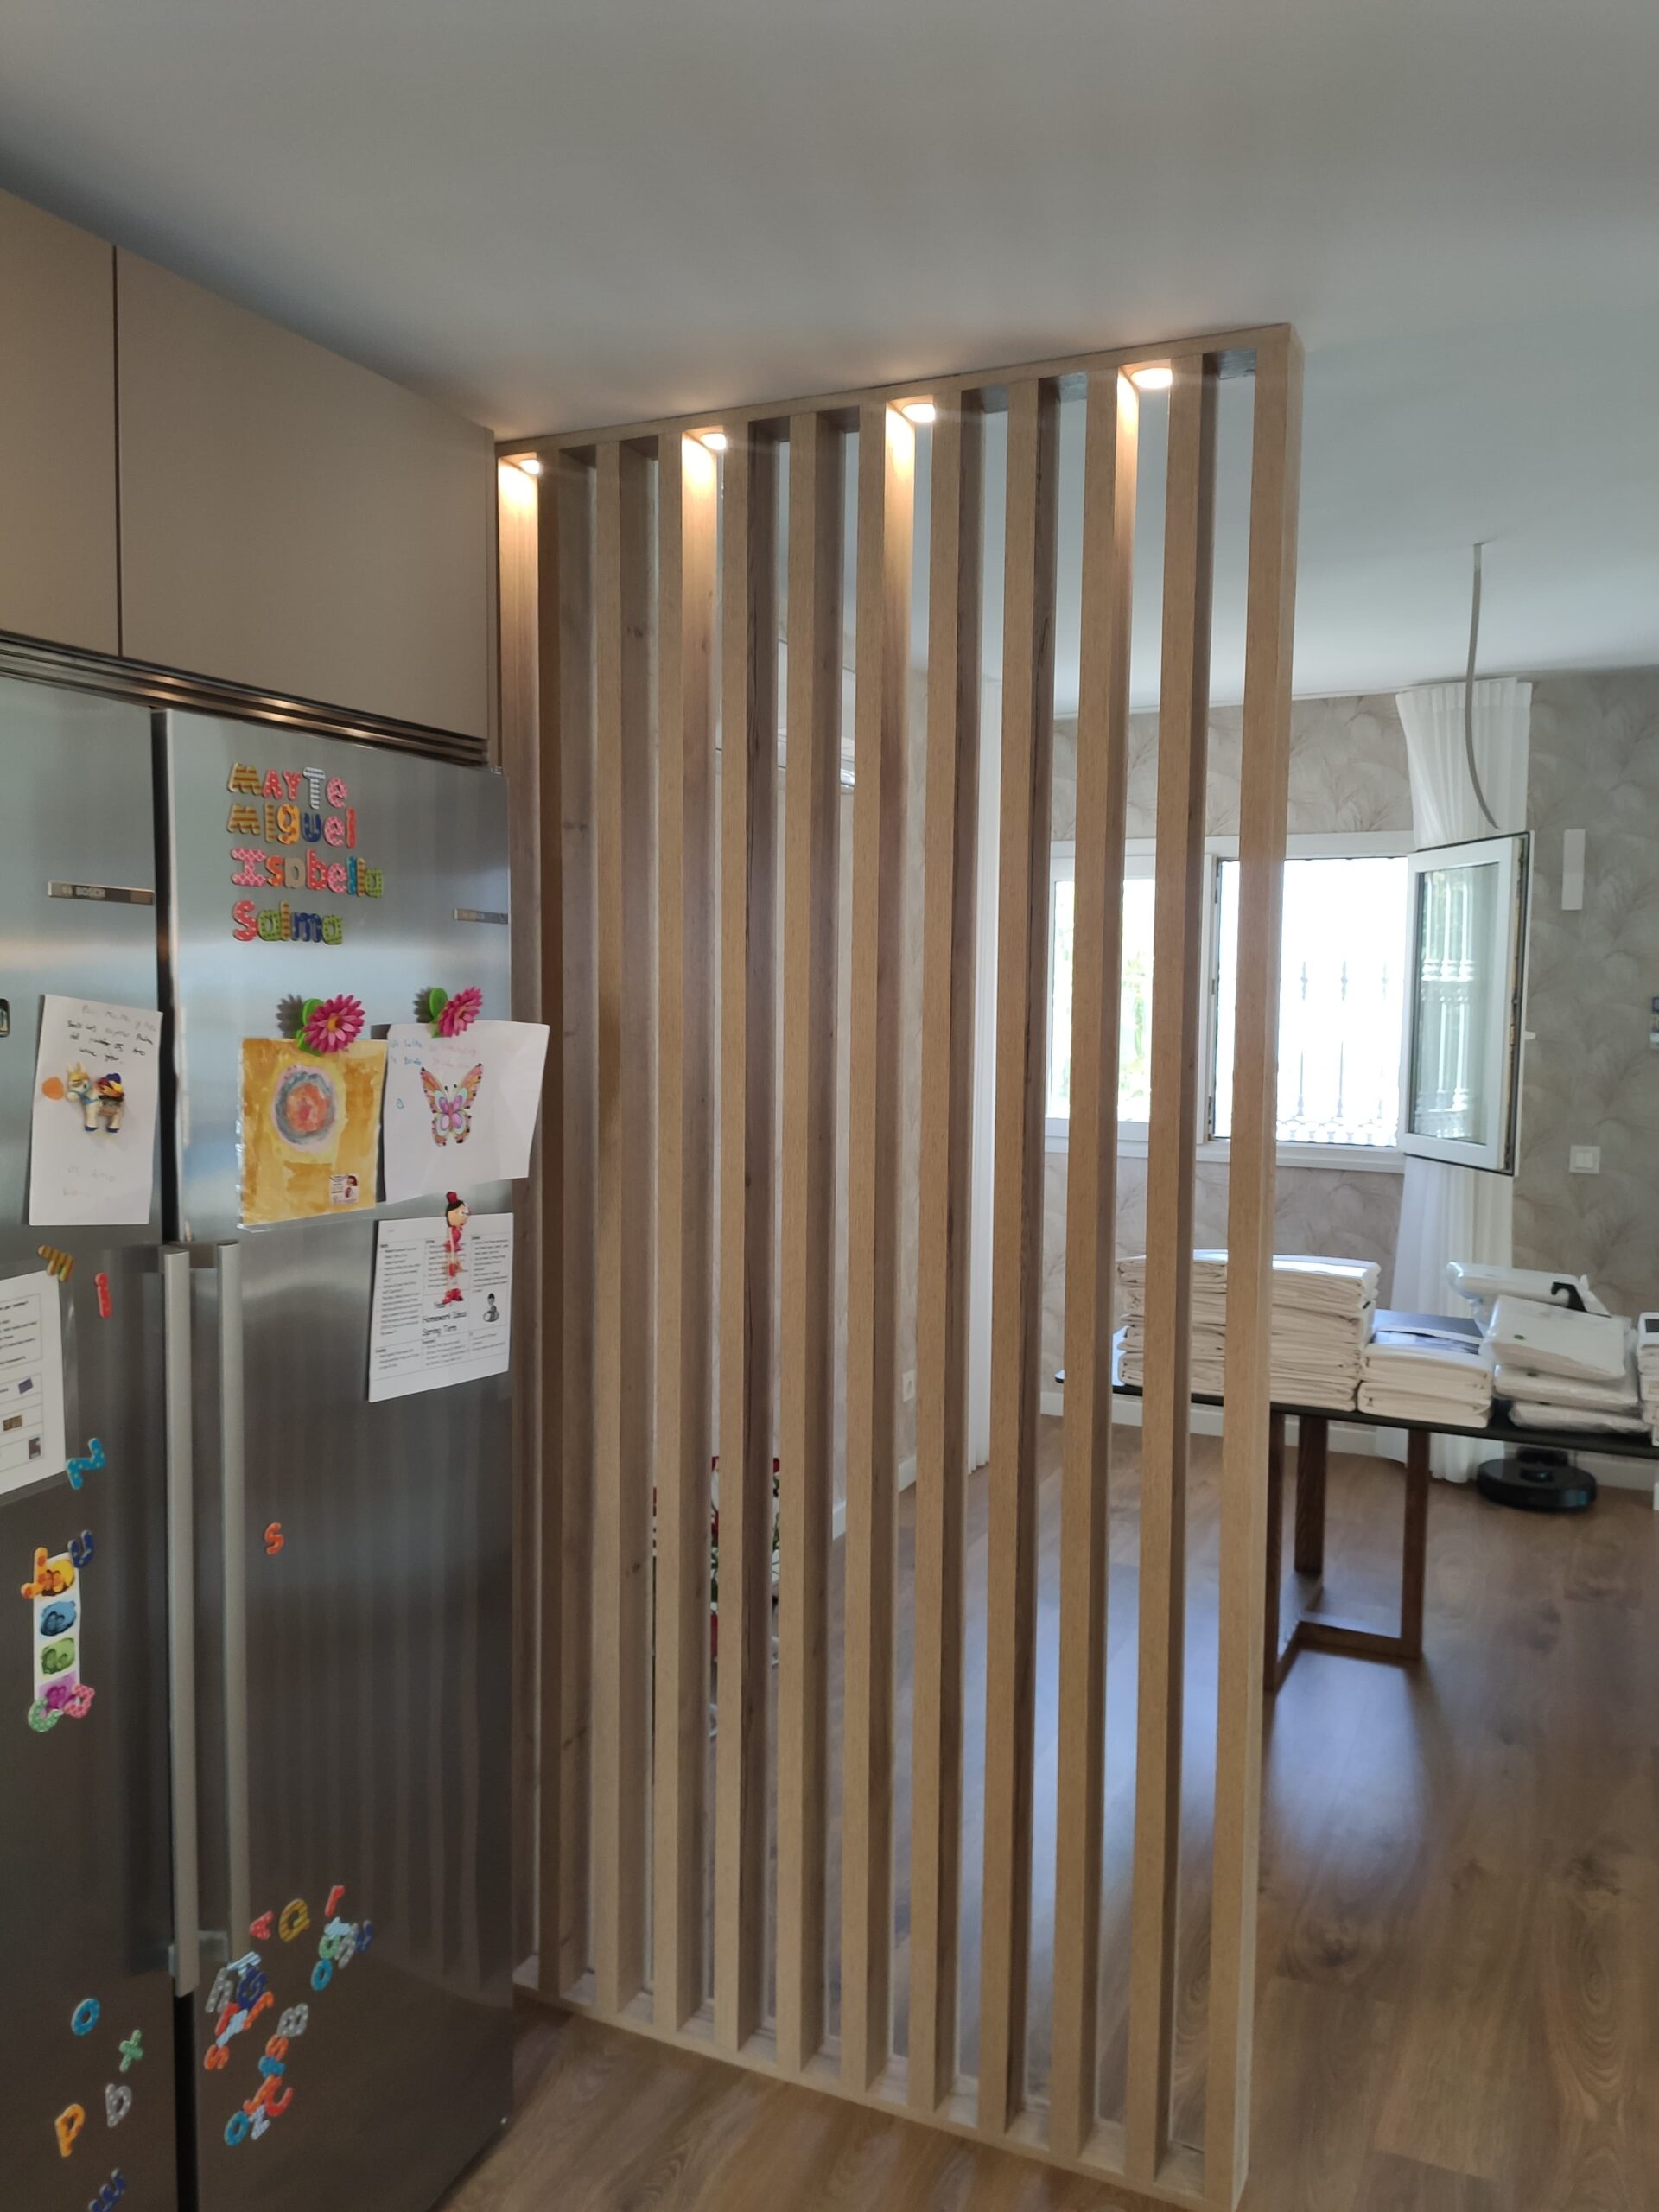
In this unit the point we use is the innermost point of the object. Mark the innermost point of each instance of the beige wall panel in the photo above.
(57, 431)
(293, 522)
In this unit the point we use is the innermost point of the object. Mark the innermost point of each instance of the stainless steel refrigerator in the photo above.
(258, 1899)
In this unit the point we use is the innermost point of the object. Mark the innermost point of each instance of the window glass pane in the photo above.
(1340, 1000)
(1134, 1011)
(1460, 963)
(1134, 1017)
(1062, 911)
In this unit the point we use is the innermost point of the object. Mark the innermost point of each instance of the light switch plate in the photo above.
(1584, 1159)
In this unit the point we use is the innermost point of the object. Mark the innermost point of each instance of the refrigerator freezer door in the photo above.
(353, 1560)
(85, 1884)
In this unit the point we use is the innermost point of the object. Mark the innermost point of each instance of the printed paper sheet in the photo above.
(442, 1308)
(31, 1380)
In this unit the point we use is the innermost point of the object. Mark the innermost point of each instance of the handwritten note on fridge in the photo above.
(459, 1109)
(443, 1309)
(97, 1079)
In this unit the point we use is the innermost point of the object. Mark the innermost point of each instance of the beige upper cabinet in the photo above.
(292, 522)
(57, 431)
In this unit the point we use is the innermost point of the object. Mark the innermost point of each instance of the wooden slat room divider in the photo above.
(760, 1898)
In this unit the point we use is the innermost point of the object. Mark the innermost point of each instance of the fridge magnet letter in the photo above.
(58, 1263)
(51, 1580)
(260, 1928)
(321, 1974)
(82, 1548)
(94, 1463)
(118, 2102)
(132, 2050)
(274, 1541)
(293, 2022)
(101, 1283)
(85, 2016)
(111, 2193)
(335, 1896)
(68, 2124)
(295, 1921)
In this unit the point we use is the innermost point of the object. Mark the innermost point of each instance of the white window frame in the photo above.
(1510, 853)
(1139, 862)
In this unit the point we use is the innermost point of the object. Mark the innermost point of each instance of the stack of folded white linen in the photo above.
(1560, 1370)
(1424, 1367)
(1647, 1369)
(1322, 1312)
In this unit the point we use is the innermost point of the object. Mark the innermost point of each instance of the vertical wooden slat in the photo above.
(950, 846)
(806, 1441)
(748, 894)
(1182, 754)
(623, 1361)
(886, 468)
(1263, 794)
(1017, 1214)
(520, 750)
(687, 489)
(565, 707)
(1091, 1215)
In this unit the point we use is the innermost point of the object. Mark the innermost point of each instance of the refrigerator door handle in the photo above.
(181, 1617)
(227, 1261)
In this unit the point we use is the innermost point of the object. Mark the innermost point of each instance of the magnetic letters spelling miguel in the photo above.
(294, 807)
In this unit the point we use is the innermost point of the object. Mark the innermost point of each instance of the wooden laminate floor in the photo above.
(1458, 1998)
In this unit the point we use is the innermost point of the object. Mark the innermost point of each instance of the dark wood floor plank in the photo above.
(1458, 1954)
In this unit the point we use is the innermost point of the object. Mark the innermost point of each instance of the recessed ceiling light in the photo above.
(1158, 377)
(715, 440)
(531, 464)
(918, 410)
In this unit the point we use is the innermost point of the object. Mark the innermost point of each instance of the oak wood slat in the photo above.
(1017, 1214)
(535, 1349)
(949, 893)
(1110, 468)
(687, 512)
(623, 1362)
(1247, 1434)
(887, 465)
(565, 707)
(806, 1439)
(1182, 755)
(749, 895)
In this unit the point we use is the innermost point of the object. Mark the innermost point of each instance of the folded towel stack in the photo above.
(1421, 1366)
(1647, 1369)
(1322, 1312)
(1562, 1371)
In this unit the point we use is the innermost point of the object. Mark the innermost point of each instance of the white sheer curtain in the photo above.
(1458, 1213)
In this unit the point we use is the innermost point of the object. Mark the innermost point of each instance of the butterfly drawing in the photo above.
(451, 1104)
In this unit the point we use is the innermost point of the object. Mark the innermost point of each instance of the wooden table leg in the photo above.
(1312, 1457)
(1413, 1565)
(1276, 1550)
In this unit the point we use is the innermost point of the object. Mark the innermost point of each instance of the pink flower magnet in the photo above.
(457, 1014)
(332, 1024)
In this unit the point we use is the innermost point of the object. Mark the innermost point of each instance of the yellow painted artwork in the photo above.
(310, 1128)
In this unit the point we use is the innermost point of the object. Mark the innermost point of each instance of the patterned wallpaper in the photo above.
(1348, 772)
(1591, 1076)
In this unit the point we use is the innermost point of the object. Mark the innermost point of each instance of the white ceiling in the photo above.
(558, 215)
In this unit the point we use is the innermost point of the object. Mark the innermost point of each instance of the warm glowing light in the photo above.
(715, 440)
(918, 410)
(1158, 377)
(531, 464)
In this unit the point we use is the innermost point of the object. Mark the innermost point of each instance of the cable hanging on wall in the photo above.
(1469, 690)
